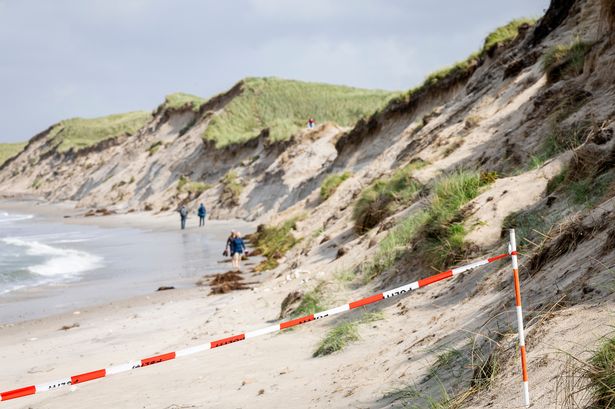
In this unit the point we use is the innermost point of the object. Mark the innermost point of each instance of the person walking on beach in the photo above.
(229, 240)
(202, 212)
(183, 215)
(238, 248)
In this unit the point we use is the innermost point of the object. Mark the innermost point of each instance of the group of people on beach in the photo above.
(183, 215)
(235, 246)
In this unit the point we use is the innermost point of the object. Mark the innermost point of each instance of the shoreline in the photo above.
(108, 283)
(63, 212)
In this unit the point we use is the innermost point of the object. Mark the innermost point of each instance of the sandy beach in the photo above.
(444, 243)
(275, 370)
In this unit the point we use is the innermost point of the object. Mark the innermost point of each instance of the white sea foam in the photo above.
(6, 217)
(59, 261)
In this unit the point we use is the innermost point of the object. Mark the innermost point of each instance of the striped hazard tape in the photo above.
(101, 373)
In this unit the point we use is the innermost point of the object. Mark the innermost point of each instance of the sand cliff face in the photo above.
(490, 115)
(545, 137)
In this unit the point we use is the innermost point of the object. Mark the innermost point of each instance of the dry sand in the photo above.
(278, 370)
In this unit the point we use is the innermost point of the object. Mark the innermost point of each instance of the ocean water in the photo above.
(49, 267)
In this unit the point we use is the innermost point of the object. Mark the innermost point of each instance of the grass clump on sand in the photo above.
(37, 183)
(588, 191)
(446, 361)
(337, 339)
(344, 334)
(505, 33)
(185, 185)
(180, 100)
(273, 242)
(561, 137)
(331, 183)
(531, 226)
(589, 383)
(393, 245)
(440, 224)
(154, 147)
(231, 188)
(444, 230)
(9, 150)
(565, 60)
(283, 106)
(311, 302)
(79, 133)
(385, 196)
(601, 375)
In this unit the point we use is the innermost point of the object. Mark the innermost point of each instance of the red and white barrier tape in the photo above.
(101, 373)
(515, 266)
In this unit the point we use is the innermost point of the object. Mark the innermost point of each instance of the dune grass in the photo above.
(284, 106)
(154, 147)
(500, 35)
(345, 333)
(337, 339)
(8, 150)
(185, 185)
(181, 100)
(602, 375)
(311, 303)
(79, 133)
(565, 60)
(331, 183)
(589, 383)
(385, 196)
(231, 188)
(273, 242)
(444, 230)
(393, 245)
(440, 225)
(505, 33)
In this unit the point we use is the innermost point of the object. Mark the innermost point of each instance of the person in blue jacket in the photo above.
(202, 212)
(238, 248)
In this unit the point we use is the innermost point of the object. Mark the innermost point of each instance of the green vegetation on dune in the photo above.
(590, 383)
(331, 183)
(345, 333)
(337, 339)
(8, 150)
(181, 100)
(501, 35)
(231, 188)
(311, 303)
(505, 33)
(439, 224)
(284, 106)
(185, 185)
(565, 60)
(601, 374)
(444, 230)
(79, 133)
(385, 196)
(273, 242)
(394, 245)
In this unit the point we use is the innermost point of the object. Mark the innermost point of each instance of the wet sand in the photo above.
(139, 253)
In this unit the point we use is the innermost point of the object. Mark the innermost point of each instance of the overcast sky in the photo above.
(67, 58)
